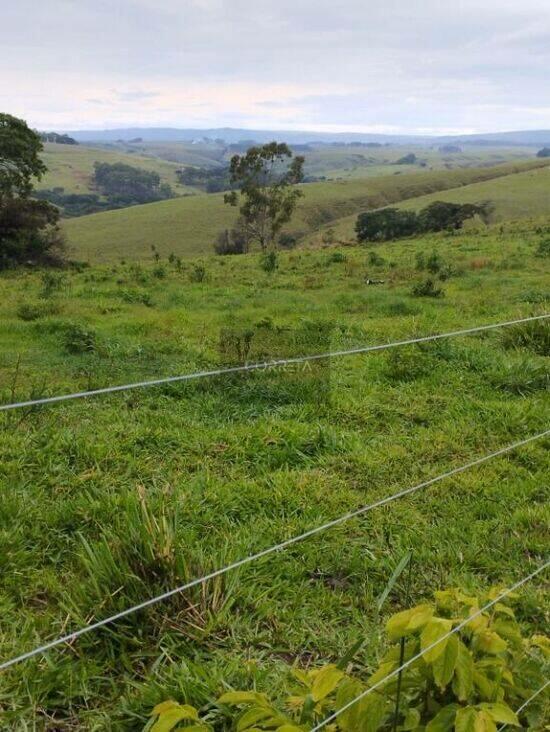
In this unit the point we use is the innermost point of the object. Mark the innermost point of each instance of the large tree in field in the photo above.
(267, 178)
(28, 228)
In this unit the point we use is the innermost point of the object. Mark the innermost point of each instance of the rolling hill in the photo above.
(514, 197)
(71, 167)
(188, 226)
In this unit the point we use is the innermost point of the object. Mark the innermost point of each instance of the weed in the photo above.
(77, 339)
(34, 310)
(533, 336)
(198, 273)
(427, 288)
(269, 262)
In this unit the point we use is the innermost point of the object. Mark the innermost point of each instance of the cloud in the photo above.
(408, 65)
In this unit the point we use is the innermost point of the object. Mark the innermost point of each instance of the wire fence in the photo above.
(263, 365)
(70, 637)
(428, 648)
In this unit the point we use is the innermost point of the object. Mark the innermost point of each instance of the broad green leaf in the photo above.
(500, 712)
(542, 642)
(382, 671)
(477, 624)
(490, 642)
(465, 720)
(166, 706)
(408, 621)
(348, 690)
(170, 718)
(243, 697)
(373, 713)
(507, 629)
(504, 610)
(326, 681)
(434, 632)
(444, 665)
(444, 720)
(252, 716)
(485, 686)
(464, 672)
(290, 728)
(411, 721)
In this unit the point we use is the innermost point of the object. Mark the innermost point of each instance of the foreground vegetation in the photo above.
(112, 500)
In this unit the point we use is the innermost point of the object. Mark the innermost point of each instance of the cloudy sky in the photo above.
(422, 66)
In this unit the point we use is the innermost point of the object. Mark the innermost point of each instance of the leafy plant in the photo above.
(269, 261)
(470, 680)
(78, 339)
(427, 288)
(198, 273)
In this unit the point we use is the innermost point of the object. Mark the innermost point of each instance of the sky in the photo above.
(388, 66)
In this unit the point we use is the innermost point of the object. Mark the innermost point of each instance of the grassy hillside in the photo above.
(109, 501)
(515, 197)
(188, 226)
(71, 167)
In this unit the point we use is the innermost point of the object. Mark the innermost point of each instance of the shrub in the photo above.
(288, 241)
(534, 336)
(78, 339)
(543, 249)
(51, 282)
(33, 311)
(137, 296)
(269, 261)
(336, 258)
(159, 272)
(472, 679)
(427, 288)
(198, 273)
(374, 259)
(434, 263)
(521, 377)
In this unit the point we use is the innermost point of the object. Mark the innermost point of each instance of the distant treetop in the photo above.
(57, 138)
(544, 153)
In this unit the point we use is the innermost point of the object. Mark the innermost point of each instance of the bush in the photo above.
(427, 288)
(269, 261)
(521, 377)
(78, 339)
(288, 241)
(442, 215)
(198, 273)
(374, 259)
(137, 297)
(543, 249)
(473, 679)
(534, 336)
(336, 258)
(51, 282)
(32, 311)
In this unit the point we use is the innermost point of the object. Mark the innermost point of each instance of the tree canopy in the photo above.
(28, 228)
(266, 177)
(19, 157)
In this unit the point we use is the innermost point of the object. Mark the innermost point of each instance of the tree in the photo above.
(442, 215)
(125, 184)
(28, 228)
(268, 195)
(544, 153)
(19, 157)
(385, 224)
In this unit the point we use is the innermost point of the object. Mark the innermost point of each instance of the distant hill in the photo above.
(234, 135)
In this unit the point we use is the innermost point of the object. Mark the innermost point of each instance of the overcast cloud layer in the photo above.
(419, 66)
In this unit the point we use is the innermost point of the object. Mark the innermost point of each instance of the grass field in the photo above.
(109, 501)
(513, 197)
(189, 226)
(71, 167)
